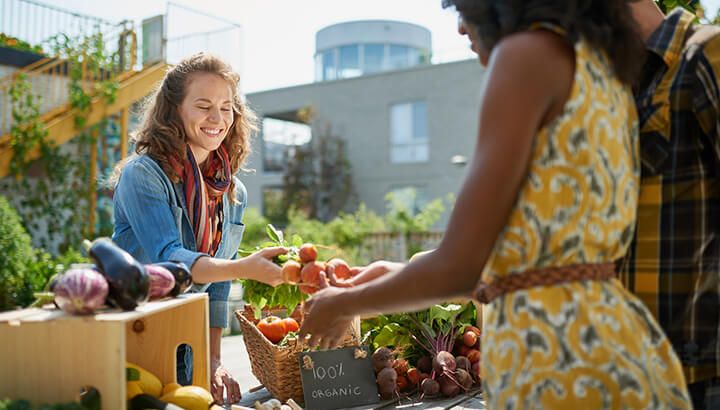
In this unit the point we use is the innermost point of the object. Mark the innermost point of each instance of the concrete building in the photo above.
(407, 123)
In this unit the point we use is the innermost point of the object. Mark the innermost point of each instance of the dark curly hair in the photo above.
(606, 24)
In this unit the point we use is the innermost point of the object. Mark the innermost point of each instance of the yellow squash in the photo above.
(189, 398)
(149, 383)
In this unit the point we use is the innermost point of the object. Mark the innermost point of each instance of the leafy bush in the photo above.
(24, 270)
(17, 257)
(344, 235)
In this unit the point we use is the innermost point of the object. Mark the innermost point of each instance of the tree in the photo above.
(318, 180)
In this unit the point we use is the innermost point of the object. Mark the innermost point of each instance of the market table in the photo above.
(470, 400)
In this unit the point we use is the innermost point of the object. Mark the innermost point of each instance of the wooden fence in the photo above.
(397, 246)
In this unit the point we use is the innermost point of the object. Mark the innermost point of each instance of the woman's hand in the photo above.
(221, 381)
(259, 266)
(363, 274)
(324, 320)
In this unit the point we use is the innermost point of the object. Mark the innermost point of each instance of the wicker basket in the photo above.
(277, 367)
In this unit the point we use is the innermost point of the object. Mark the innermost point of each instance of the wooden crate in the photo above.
(46, 356)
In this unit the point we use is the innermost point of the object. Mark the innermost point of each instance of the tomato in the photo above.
(273, 328)
(291, 325)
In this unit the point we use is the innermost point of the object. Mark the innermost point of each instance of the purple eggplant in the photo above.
(183, 278)
(128, 281)
(80, 291)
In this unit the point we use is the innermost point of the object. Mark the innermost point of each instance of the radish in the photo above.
(473, 356)
(413, 375)
(470, 338)
(401, 366)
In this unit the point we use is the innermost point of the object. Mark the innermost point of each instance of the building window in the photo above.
(409, 140)
(373, 54)
(349, 62)
(279, 138)
(328, 62)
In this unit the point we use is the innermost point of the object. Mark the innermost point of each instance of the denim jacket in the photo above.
(152, 224)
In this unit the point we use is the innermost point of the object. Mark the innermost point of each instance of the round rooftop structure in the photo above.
(356, 48)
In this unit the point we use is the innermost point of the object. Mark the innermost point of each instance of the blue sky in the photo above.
(279, 35)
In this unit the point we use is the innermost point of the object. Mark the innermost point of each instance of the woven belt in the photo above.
(486, 292)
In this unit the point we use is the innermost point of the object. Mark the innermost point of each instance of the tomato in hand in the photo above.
(273, 328)
(291, 325)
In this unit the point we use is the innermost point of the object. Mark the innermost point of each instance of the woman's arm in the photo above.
(142, 196)
(526, 74)
(258, 266)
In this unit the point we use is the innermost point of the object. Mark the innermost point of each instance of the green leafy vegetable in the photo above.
(260, 295)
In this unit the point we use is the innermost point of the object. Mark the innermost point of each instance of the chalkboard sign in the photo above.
(337, 379)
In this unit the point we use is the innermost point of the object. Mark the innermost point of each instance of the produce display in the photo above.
(276, 329)
(115, 279)
(434, 352)
(301, 273)
(145, 391)
(80, 291)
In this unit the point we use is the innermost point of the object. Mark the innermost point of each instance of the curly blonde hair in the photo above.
(161, 134)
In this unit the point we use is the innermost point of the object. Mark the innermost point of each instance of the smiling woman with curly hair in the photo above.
(549, 203)
(178, 198)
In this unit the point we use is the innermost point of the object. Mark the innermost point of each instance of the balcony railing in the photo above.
(49, 77)
(36, 22)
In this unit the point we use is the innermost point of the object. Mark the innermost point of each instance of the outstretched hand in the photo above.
(222, 381)
(260, 264)
(324, 322)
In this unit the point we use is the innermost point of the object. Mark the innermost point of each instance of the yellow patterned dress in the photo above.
(579, 345)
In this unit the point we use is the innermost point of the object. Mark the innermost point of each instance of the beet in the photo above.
(464, 379)
(444, 361)
(463, 363)
(80, 291)
(448, 386)
(424, 364)
(162, 281)
(382, 358)
(430, 387)
(387, 382)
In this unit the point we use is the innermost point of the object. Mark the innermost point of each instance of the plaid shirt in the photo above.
(673, 264)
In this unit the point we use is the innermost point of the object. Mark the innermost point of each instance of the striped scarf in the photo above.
(204, 189)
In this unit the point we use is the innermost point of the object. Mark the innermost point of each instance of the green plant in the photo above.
(17, 254)
(17, 44)
(53, 204)
(400, 218)
(24, 270)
